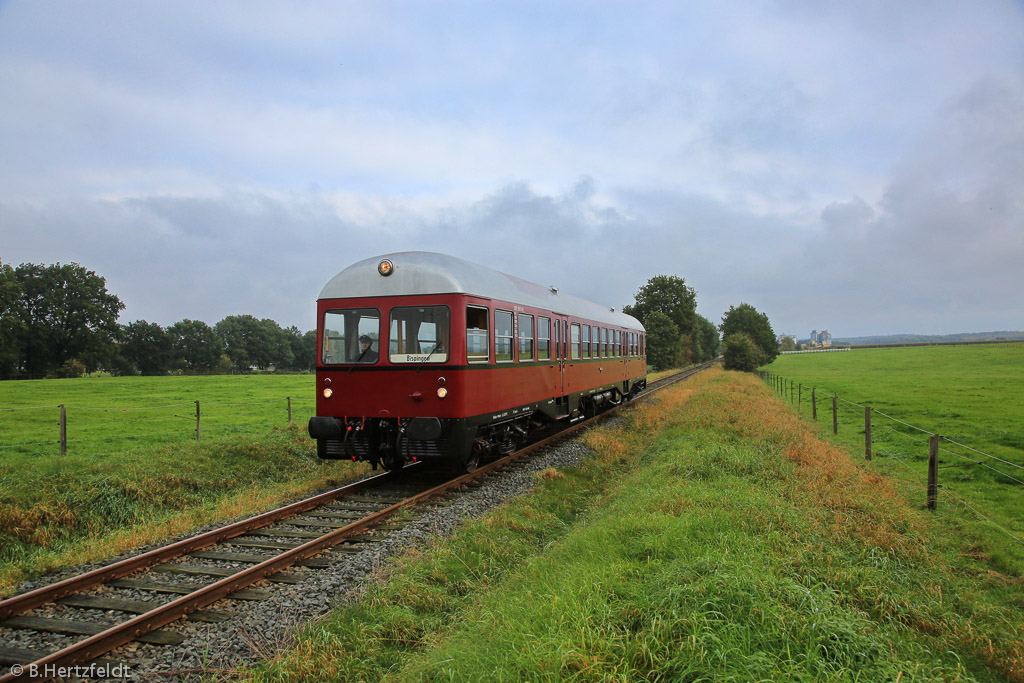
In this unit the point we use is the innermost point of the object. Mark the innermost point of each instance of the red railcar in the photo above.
(429, 357)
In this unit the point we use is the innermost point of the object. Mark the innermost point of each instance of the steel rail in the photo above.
(127, 631)
(23, 602)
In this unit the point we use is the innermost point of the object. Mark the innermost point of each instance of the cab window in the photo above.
(419, 334)
(351, 335)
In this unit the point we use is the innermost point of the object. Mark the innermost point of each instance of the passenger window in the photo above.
(574, 345)
(544, 338)
(503, 336)
(586, 341)
(477, 338)
(525, 337)
(604, 342)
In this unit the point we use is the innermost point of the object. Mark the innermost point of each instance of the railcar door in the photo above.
(561, 356)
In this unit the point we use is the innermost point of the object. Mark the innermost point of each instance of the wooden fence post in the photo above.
(792, 390)
(933, 471)
(814, 405)
(63, 437)
(867, 433)
(197, 421)
(799, 397)
(835, 414)
(289, 410)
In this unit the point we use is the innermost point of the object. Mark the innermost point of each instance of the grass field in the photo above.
(107, 413)
(973, 395)
(711, 536)
(134, 473)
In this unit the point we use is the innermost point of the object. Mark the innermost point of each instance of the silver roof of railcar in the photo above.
(423, 272)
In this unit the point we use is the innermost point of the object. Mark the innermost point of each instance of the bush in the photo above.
(71, 368)
(741, 353)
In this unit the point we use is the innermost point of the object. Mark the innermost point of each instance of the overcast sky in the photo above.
(853, 166)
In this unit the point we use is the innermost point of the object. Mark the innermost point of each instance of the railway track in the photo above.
(220, 566)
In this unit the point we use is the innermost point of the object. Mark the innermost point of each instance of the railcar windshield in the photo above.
(419, 334)
(351, 336)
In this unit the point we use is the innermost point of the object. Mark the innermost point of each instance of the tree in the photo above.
(146, 347)
(195, 346)
(741, 353)
(303, 346)
(11, 326)
(665, 347)
(67, 313)
(669, 296)
(745, 319)
(250, 342)
(707, 334)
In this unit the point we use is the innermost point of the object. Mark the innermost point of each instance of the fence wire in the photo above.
(920, 445)
(92, 424)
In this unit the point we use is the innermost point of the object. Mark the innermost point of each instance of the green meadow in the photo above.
(108, 413)
(972, 396)
(134, 472)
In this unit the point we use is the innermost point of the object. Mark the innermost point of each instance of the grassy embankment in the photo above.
(134, 474)
(973, 395)
(711, 536)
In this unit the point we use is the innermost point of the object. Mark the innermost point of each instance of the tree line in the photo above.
(60, 321)
(677, 335)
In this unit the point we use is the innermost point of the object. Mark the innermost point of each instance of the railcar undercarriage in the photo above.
(392, 443)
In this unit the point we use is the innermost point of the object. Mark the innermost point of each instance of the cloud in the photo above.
(853, 166)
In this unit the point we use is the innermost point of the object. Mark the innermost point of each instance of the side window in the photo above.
(586, 341)
(544, 338)
(618, 343)
(503, 336)
(477, 337)
(525, 337)
(574, 346)
(604, 342)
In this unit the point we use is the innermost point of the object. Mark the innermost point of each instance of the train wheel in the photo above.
(471, 463)
(391, 451)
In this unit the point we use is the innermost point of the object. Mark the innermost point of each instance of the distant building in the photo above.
(822, 338)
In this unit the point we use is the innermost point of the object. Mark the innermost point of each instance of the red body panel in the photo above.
(403, 390)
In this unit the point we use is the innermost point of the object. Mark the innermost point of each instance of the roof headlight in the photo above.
(385, 267)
